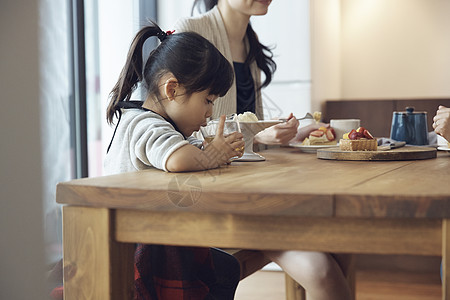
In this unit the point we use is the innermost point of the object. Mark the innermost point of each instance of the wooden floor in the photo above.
(370, 285)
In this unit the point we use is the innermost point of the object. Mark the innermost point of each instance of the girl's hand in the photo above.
(441, 122)
(216, 153)
(303, 132)
(279, 134)
(223, 148)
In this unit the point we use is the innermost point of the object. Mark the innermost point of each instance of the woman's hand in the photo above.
(441, 122)
(223, 148)
(279, 134)
(303, 132)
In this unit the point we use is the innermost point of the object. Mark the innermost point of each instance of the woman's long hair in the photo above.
(261, 54)
(194, 61)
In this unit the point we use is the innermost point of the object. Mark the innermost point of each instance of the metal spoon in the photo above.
(307, 116)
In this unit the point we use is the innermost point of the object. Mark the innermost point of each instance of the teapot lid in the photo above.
(410, 111)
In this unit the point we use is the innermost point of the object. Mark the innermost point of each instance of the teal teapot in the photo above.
(410, 127)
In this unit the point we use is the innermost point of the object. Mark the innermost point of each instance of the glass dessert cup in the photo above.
(209, 131)
(249, 130)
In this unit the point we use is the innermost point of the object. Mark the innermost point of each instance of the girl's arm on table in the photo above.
(215, 154)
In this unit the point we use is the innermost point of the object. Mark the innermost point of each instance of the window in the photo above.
(58, 155)
(109, 26)
(286, 27)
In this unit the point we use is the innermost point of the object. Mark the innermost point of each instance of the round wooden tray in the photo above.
(403, 153)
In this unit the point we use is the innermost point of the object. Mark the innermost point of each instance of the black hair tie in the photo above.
(163, 35)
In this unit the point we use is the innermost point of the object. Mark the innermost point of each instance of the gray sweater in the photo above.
(143, 139)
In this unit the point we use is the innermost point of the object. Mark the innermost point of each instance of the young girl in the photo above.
(226, 23)
(182, 78)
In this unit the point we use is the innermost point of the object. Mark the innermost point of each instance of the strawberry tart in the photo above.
(358, 140)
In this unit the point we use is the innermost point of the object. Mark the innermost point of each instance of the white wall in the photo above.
(365, 49)
(397, 49)
(325, 51)
(21, 236)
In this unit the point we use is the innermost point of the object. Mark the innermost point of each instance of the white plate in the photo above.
(444, 148)
(312, 148)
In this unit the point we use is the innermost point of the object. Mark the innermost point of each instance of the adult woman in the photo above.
(226, 24)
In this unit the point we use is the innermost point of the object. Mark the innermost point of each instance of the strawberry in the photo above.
(317, 133)
(330, 135)
(355, 135)
(332, 130)
(367, 135)
(352, 134)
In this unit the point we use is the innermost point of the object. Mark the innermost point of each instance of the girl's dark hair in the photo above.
(193, 60)
(261, 54)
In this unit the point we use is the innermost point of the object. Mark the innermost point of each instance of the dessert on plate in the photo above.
(358, 140)
(322, 136)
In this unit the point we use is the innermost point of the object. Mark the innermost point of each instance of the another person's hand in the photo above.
(303, 132)
(279, 134)
(441, 122)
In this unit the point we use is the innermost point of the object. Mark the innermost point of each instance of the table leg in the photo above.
(446, 259)
(347, 263)
(95, 266)
(294, 291)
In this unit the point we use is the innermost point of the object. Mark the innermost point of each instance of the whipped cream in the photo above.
(246, 117)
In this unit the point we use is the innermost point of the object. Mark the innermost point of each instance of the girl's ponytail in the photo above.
(131, 73)
(190, 58)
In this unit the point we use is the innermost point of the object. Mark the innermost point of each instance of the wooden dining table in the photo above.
(292, 200)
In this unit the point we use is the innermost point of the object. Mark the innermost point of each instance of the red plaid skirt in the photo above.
(185, 273)
(180, 273)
